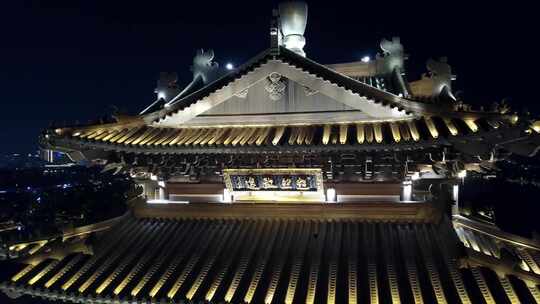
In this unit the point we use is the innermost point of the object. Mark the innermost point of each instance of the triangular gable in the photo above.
(291, 104)
(294, 98)
(353, 94)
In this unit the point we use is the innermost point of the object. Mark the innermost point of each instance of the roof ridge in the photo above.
(160, 114)
(296, 61)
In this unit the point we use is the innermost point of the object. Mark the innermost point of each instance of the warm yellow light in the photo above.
(514, 119)
(471, 124)
(360, 135)
(377, 130)
(431, 127)
(536, 126)
(22, 273)
(414, 131)
(43, 272)
(343, 130)
(395, 132)
(451, 127)
(326, 134)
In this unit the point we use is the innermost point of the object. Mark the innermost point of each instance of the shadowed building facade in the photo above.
(285, 180)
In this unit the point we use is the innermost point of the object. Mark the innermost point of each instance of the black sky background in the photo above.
(71, 60)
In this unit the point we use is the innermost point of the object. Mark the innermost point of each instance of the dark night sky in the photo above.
(70, 60)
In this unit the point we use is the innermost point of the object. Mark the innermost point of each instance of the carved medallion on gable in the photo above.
(275, 86)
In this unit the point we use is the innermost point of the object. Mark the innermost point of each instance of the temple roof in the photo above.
(272, 257)
(369, 117)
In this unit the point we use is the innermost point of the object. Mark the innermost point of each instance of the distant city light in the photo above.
(229, 66)
(366, 59)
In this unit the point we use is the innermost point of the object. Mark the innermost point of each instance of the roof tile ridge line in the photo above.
(392, 104)
(170, 114)
(330, 70)
(494, 229)
(136, 121)
(311, 61)
(241, 69)
(243, 73)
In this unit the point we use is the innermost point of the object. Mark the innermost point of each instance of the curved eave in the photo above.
(84, 145)
(485, 245)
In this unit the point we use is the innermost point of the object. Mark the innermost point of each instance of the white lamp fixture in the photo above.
(407, 191)
(229, 66)
(330, 195)
(455, 193)
(161, 95)
(227, 196)
(366, 59)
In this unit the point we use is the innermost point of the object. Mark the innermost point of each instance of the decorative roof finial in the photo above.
(275, 35)
(293, 20)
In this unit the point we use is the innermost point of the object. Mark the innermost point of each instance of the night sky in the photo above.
(71, 60)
